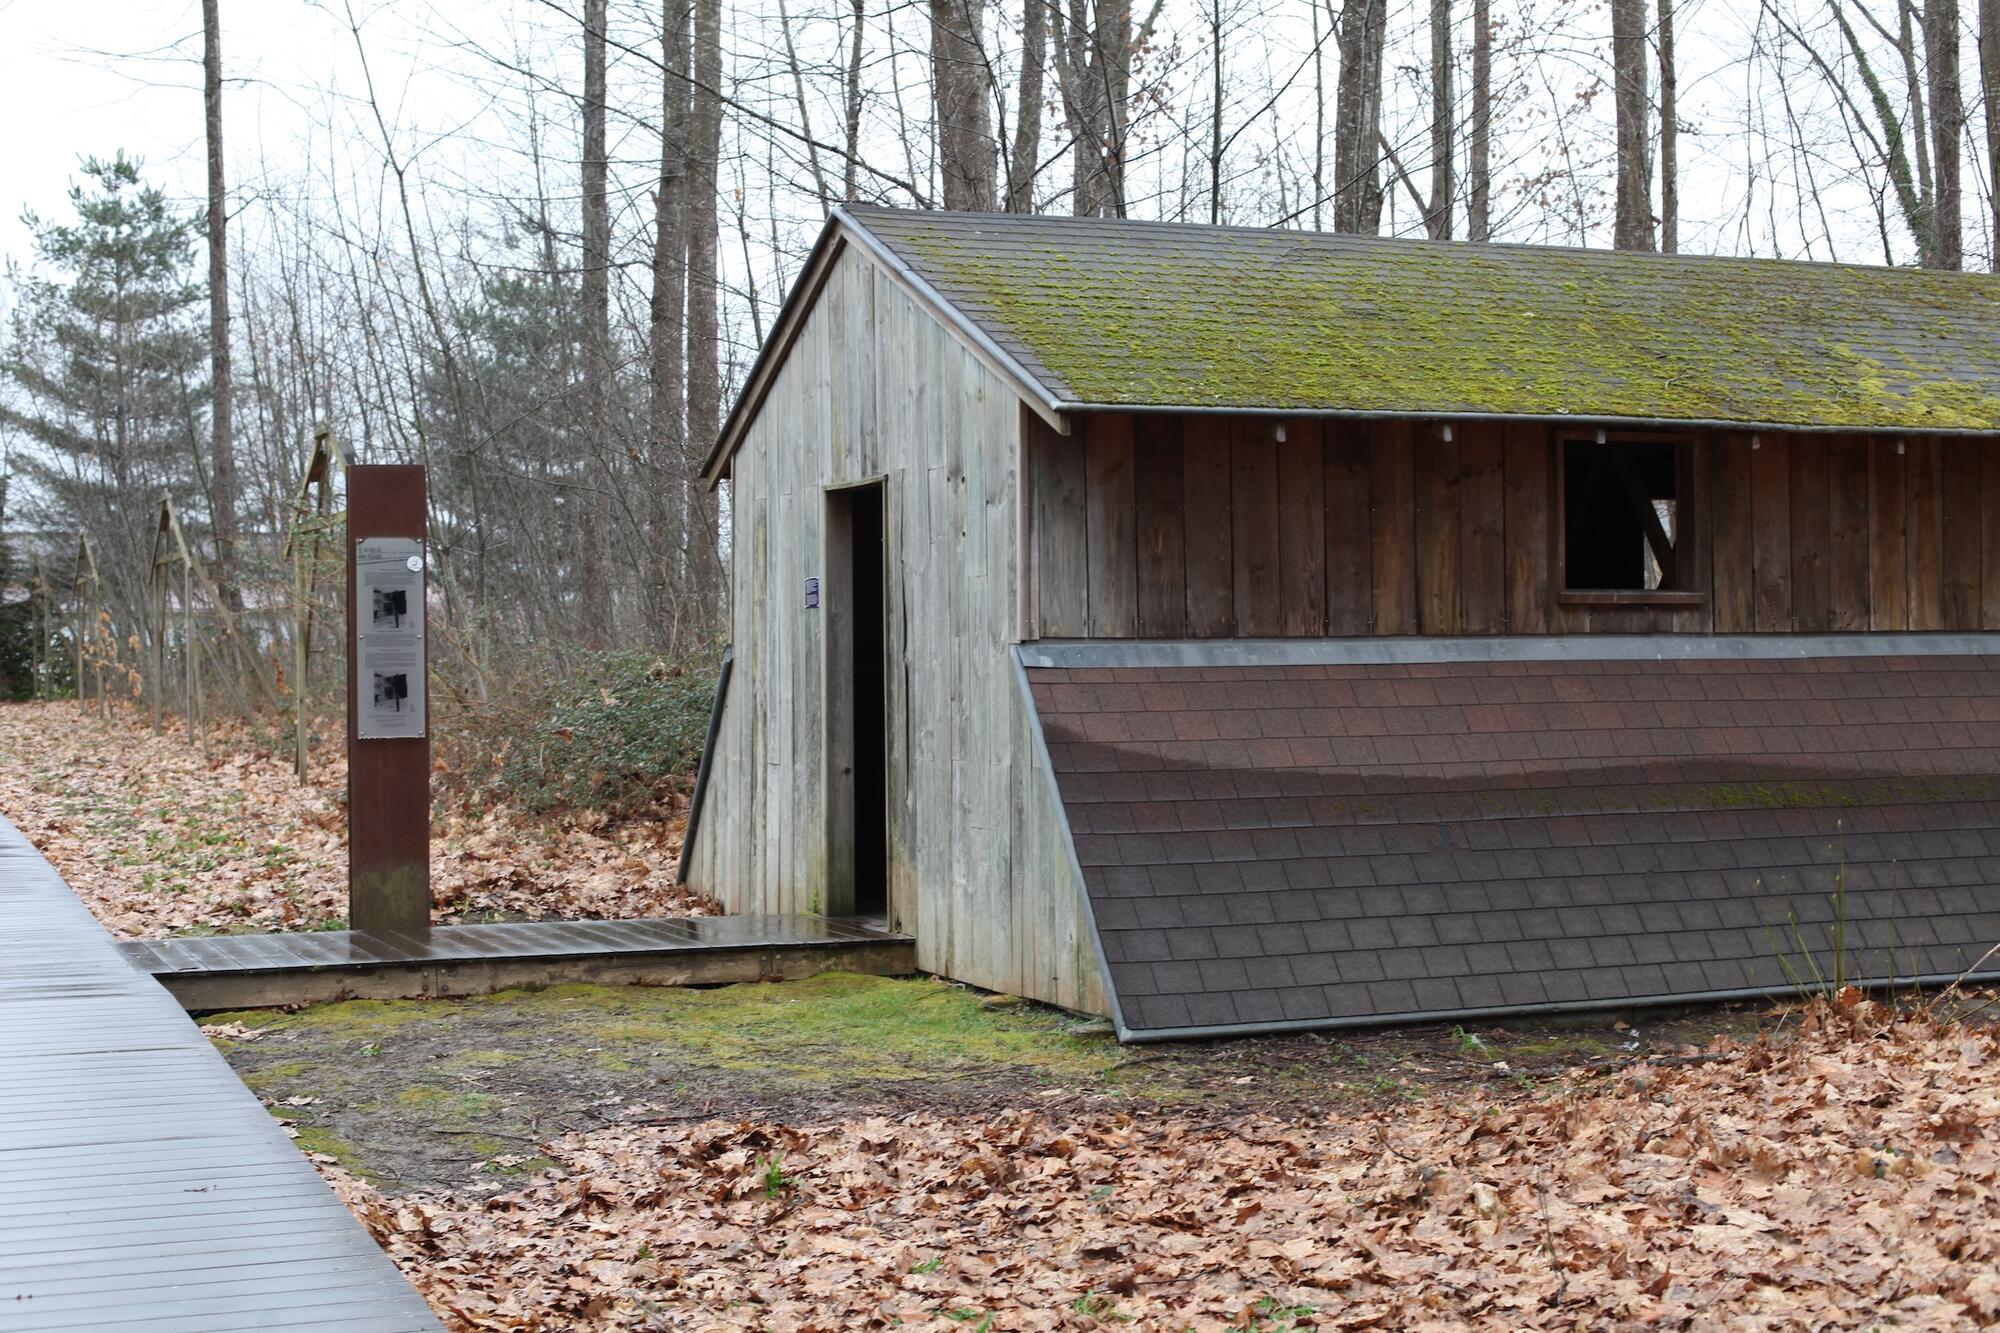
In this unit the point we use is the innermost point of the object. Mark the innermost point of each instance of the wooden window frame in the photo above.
(1688, 519)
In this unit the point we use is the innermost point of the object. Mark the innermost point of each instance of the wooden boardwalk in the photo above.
(246, 971)
(141, 1185)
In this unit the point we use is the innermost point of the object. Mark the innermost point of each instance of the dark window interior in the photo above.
(871, 712)
(1621, 515)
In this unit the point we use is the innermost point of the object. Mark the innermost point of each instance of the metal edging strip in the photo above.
(1771, 993)
(1090, 653)
(706, 766)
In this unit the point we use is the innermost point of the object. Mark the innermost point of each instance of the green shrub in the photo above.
(613, 731)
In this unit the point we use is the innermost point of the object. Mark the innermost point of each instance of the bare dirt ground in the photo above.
(854, 1152)
(159, 839)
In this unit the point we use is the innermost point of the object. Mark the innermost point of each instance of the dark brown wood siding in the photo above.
(1213, 527)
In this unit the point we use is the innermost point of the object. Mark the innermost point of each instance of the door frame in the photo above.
(838, 719)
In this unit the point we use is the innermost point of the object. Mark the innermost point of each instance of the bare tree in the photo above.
(667, 439)
(1357, 118)
(593, 594)
(704, 393)
(1479, 186)
(1025, 156)
(1989, 77)
(1095, 44)
(1912, 188)
(222, 443)
(1444, 126)
(851, 95)
(1947, 107)
(1216, 97)
(1633, 225)
(1670, 135)
(967, 155)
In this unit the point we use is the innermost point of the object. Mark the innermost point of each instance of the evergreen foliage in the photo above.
(106, 361)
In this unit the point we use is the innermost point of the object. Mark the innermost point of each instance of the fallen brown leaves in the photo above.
(155, 837)
(1842, 1175)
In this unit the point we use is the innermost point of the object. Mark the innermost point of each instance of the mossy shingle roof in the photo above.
(1105, 313)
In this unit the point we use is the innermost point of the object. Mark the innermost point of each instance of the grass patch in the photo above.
(831, 1028)
(284, 1071)
(358, 1018)
(447, 1105)
(1559, 1046)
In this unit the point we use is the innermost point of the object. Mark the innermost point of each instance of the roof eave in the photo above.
(757, 384)
(1608, 420)
(841, 229)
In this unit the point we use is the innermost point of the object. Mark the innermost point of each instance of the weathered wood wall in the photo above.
(874, 387)
(1161, 526)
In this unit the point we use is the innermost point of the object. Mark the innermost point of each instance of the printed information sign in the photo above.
(389, 637)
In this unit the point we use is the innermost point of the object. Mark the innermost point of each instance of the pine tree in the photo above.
(107, 359)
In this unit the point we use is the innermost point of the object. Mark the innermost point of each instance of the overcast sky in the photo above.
(93, 76)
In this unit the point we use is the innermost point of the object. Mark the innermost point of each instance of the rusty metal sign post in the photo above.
(388, 741)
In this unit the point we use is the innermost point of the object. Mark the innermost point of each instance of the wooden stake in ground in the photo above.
(388, 743)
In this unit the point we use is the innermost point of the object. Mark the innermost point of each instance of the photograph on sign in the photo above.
(389, 637)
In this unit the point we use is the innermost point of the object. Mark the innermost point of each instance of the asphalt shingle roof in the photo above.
(1110, 313)
(1307, 845)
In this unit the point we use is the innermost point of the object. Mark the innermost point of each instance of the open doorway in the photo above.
(857, 702)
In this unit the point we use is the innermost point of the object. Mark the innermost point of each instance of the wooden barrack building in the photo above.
(1230, 630)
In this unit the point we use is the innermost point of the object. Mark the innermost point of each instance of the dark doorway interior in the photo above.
(870, 641)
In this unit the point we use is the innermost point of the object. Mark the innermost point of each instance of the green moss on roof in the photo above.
(1133, 314)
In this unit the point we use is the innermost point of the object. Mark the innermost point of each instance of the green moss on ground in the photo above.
(834, 1027)
(433, 1088)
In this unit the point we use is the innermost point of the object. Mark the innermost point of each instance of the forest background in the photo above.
(535, 245)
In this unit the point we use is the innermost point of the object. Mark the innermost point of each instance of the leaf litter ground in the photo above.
(870, 1153)
(159, 839)
(858, 1152)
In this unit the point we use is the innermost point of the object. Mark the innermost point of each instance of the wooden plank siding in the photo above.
(1352, 528)
(875, 388)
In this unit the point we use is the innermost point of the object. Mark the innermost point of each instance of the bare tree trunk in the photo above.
(1913, 192)
(1026, 155)
(1319, 119)
(1670, 136)
(1989, 77)
(1094, 47)
(1633, 226)
(672, 486)
(1215, 95)
(1357, 119)
(967, 157)
(222, 443)
(1479, 189)
(704, 410)
(593, 595)
(1444, 126)
(853, 101)
(1947, 130)
(805, 109)
(1916, 87)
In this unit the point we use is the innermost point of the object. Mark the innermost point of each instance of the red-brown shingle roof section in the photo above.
(1296, 846)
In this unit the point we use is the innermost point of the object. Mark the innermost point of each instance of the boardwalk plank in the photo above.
(142, 1185)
